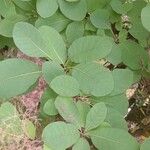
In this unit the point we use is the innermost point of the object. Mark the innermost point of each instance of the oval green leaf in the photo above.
(68, 110)
(82, 144)
(94, 79)
(59, 132)
(113, 139)
(145, 17)
(46, 8)
(90, 48)
(96, 116)
(65, 85)
(74, 11)
(49, 108)
(134, 55)
(51, 70)
(17, 76)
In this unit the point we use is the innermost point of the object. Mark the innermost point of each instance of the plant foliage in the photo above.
(92, 50)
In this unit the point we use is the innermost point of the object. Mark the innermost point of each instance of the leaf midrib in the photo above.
(20, 75)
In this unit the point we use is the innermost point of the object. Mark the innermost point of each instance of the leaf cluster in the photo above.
(92, 51)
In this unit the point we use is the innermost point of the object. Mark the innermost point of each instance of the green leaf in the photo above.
(140, 33)
(74, 31)
(94, 79)
(28, 39)
(113, 139)
(7, 24)
(6, 41)
(25, 5)
(45, 42)
(60, 136)
(90, 48)
(145, 145)
(48, 94)
(45, 147)
(70, 85)
(121, 8)
(29, 129)
(75, 11)
(68, 110)
(55, 44)
(26, 0)
(119, 102)
(100, 18)
(49, 108)
(10, 122)
(51, 70)
(83, 109)
(123, 79)
(115, 119)
(133, 55)
(114, 56)
(96, 116)
(17, 76)
(7, 8)
(96, 4)
(72, 0)
(46, 8)
(82, 144)
(145, 17)
(57, 21)
(89, 26)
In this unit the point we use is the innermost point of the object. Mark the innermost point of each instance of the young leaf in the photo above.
(17, 76)
(46, 8)
(45, 147)
(90, 48)
(96, 116)
(94, 79)
(68, 110)
(29, 129)
(60, 136)
(113, 139)
(49, 108)
(48, 94)
(82, 144)
(75, 11)
(65, 85)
